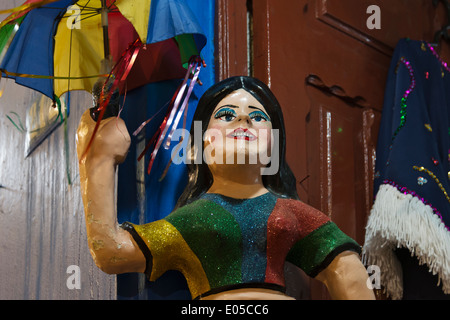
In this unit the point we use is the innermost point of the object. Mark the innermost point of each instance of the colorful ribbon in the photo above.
(173, 115)
(183, 109)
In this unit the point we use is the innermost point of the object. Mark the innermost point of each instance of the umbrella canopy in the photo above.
(59, 47)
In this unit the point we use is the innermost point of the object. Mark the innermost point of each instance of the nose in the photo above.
(244, 118)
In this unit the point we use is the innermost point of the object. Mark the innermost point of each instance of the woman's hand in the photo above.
(111, 141)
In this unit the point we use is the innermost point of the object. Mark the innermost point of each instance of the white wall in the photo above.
(42, 230)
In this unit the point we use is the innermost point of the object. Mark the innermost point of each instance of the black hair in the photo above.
(200, 179)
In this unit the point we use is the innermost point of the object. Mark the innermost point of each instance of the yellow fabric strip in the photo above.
(78, 52)
(36, 76)
(171, 252)
(138, 13)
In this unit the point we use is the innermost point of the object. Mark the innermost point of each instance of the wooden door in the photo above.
(327, 63)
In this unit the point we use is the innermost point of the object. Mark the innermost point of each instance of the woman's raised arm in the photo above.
(113, 248)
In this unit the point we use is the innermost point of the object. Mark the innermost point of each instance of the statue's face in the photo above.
(239, 131)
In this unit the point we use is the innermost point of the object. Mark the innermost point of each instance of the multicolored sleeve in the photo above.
(141, 242)
(320, 240)
(165, 249)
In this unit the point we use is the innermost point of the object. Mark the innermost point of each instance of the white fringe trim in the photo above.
(401, 220)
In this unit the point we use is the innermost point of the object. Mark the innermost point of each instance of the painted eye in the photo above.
(259, 116)
(225, 115)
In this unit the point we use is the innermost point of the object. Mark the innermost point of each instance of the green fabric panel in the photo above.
(187, 47)
(7, 32)
(206, 226)
(314, 252)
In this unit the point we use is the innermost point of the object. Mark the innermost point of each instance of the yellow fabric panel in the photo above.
(171, 252)
(138, 13)
(82, 46)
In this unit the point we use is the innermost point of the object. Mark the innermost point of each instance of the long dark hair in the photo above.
(200, 179)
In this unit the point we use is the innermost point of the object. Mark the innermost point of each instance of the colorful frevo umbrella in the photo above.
(58, 46)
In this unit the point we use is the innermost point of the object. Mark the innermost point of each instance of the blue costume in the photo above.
(411, 212)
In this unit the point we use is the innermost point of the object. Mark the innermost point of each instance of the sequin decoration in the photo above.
(428, 127)
(406, 191)
(422, 46)
(432, 175)
(403, 103)
(443, 63)
(421, 181)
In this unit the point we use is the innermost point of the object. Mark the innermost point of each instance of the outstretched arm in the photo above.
(113, 249)
(346, 278)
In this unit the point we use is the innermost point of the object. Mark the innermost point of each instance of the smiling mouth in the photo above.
(243, 134)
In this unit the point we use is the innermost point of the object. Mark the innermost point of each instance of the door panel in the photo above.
(340, 150)
(350, 17)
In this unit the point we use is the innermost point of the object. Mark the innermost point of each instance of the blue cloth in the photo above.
(31, 51)
(422, 138)
(170, 18)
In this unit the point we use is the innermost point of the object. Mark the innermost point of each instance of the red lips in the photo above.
(241, 133)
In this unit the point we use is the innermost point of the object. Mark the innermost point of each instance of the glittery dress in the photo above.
(220, 243)
(412, 202)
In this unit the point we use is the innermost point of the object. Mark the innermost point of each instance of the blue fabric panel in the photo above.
(401, 147)
(169, 18)
(31, 51)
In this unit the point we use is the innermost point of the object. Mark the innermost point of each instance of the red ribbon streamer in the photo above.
(120, 72)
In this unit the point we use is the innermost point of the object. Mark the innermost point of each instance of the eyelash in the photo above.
(259, 114)
(223, 113)
(228, 112)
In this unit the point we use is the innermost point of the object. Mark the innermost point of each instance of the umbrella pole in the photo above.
(105, 31)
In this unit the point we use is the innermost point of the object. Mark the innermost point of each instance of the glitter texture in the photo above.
(282, 233)
(251, 215)
(219, 242)
(215, 238)
(314, 252)
(171, 252)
